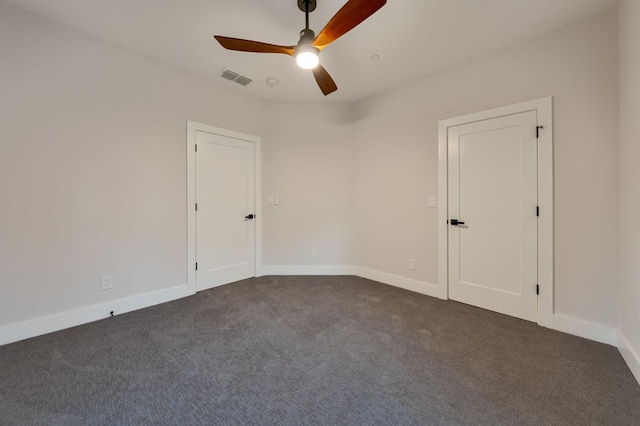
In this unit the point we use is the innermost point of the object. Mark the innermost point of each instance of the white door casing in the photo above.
(493, 193)
(223, 187)
(541, 109)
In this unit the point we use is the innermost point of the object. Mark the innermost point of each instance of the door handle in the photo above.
(456, 222)
(249, 217)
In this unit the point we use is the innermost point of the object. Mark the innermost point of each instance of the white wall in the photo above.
(629, 14)
(93, 166)
(307, 161)
(396, 159)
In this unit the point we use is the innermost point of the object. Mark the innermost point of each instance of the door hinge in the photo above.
(538, 289)
(538, 131)
(537, 211)
(196, 266)
(196, 147)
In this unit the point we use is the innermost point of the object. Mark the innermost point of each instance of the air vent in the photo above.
(229, 75)
(243, 80)
(235, 77)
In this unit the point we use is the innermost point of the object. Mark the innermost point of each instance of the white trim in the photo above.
(545, 221)
(398, 281)
(32, 328)
(585, 329)
(307, 270)
(39, 326)
(544, 109)
(629, 355)
(191, 201)
(370, 274)
(258, 207)
(443, 210)
(192, 128)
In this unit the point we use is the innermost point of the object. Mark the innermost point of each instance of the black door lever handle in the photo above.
(249, 217)
(456, 222)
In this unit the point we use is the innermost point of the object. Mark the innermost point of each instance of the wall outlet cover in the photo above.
(106, 283)
(314, 253)
(412, 264)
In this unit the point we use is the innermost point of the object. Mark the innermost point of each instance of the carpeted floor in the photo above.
(313, 350)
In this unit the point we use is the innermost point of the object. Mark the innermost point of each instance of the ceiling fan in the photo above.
(307, 51)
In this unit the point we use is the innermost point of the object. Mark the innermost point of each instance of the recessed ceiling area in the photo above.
(413, 38)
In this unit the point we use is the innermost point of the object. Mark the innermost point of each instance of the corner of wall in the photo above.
(629, 355)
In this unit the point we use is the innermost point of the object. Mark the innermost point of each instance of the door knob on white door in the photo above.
(456, 222)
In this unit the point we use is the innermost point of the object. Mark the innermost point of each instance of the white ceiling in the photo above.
(414, 38)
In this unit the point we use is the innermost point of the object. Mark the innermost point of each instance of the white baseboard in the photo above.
(49, 324)
(630, 356)
(306, 270)
(397, 281)
(27, 329)
(587, 330)
(383, 277)
(39, 326)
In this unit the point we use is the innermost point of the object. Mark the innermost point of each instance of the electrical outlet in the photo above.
(314, 253)
(276, 200)
(412, 264)
(106, 283)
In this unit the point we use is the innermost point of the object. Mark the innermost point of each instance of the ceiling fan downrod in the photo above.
(306, 14)
(307, 35)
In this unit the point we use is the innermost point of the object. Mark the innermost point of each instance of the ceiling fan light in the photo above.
(307, 60)
(307, 56)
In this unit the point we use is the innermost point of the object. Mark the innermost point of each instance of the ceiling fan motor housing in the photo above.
(307, 36)
(305, 44)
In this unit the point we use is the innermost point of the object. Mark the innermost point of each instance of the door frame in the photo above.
(544, 110)
(192, 128)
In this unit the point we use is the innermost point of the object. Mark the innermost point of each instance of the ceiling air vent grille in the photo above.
(235, 77)
(243, 80)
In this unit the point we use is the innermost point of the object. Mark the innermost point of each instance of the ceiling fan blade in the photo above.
(324, 80)
(252, 46)
(351, 15)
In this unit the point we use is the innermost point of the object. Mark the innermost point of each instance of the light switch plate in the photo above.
(270, 201)
(106, 283)
(432, 202)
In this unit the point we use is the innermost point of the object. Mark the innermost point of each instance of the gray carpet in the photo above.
(313, 350)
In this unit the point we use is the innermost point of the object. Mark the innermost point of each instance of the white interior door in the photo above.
(493, 195)
(225, 197)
